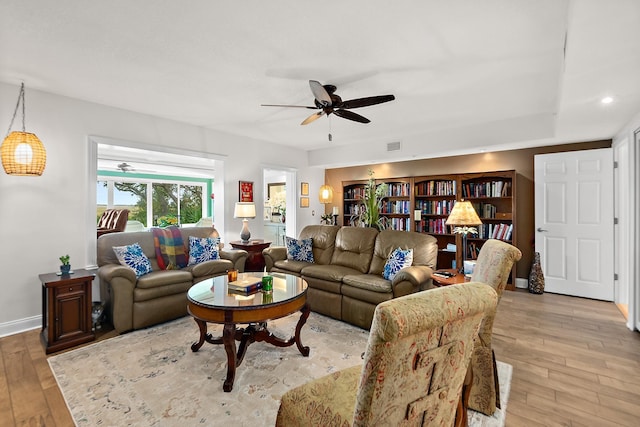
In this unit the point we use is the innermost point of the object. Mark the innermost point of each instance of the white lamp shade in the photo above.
(244, 210)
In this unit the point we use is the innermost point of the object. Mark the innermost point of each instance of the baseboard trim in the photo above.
(20, 325)
(522, 283)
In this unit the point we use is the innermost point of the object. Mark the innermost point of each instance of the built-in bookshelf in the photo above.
(397, 205)
(492, 194)
(424, 203)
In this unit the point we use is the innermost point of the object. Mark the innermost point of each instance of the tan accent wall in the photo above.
(519, 160)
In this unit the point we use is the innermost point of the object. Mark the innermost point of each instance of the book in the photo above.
(245, 286)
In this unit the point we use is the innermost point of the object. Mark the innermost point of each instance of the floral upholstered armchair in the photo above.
(414, 367)
(493, 267)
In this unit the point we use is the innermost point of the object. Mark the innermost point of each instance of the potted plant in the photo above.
(65, 268)
(368, 213)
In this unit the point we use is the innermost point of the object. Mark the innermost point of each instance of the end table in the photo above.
(446, 281)
(66, 310)
(255, 260)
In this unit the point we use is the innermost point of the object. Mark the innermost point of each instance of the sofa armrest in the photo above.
(273, 254)
(117, 283)
(411, 279)
(237, 256)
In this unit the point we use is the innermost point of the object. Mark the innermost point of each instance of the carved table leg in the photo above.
(229, 339)
(303, 319)
(203, 333)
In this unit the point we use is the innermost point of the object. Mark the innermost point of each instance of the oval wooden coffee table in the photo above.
(210, 301)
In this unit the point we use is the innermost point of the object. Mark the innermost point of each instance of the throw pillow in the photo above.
(299, 250)
(132, 256)
(170, 251)
(203, 249)
(398, 260)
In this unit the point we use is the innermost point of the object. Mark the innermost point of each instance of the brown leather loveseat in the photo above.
(159, 296)
(345, 280)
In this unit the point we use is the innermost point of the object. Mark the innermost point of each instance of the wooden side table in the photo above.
(255, 260)
(66, 310)
(446, 281)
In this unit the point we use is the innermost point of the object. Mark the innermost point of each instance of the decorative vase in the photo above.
(536, 277)
(283, 218)
(65, 269)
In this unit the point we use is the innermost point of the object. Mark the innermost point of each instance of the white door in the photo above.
(574, 222)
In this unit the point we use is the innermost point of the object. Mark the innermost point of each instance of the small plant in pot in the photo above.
(65, 267)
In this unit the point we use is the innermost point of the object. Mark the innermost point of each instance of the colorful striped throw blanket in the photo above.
(171, 253)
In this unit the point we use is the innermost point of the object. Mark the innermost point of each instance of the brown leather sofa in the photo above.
(345, 280)
(158, 296)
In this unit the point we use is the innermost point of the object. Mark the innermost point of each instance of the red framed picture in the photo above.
(245, 189)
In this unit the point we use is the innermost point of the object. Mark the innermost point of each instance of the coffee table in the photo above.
(209, 301)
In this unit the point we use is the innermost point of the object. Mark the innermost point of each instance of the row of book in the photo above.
(433, 226)
(398, 189)
(501, 231)
(354, 193)
(487, 189)
(396, 207)
(485, 210)
(435, 207)
(402, 224)
(436, 188)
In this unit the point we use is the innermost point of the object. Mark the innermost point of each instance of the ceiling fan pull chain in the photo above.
(330, 137)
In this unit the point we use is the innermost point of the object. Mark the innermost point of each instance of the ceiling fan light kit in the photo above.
(326, 100)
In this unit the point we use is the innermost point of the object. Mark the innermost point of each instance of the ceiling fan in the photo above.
(125, 167)
(328, 102)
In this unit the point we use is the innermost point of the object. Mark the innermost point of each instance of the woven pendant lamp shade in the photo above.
(23, 154)
(325, 194)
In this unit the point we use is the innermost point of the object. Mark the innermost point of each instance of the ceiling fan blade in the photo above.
(320, 93)
(312, 118)
(346, 114)
(291, 106)
(365, 102)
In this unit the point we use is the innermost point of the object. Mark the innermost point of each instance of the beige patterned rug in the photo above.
(152, 378)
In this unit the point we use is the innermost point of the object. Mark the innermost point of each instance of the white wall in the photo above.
(44, 217)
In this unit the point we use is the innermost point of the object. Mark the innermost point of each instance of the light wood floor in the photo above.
(575, 364)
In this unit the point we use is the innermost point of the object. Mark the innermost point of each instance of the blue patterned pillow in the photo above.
(398, 260)
(132, 256)
(203, 249)
(300, 250)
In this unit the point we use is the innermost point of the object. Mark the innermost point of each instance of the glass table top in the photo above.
(215, 293)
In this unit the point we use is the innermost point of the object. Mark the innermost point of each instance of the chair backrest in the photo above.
(114, 219)
(494, 264)
(493, 267)
(417, 356)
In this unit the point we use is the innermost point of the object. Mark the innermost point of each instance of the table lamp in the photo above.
(245, 210)
(464, 218)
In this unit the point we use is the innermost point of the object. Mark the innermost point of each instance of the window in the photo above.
(172, 201)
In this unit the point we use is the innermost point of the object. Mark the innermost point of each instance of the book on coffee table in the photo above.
(245, 286)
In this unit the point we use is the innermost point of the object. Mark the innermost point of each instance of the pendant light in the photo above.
(22, 152)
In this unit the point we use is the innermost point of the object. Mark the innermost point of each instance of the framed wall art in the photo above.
(304, 202)
(245, 191)
(304, 188)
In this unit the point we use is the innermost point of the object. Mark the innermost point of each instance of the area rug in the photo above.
(152, 378)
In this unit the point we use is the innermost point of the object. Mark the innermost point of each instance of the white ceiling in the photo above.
(497, 69)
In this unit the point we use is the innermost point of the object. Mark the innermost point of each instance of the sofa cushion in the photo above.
(203, 249)
(288, 265)
(398, 259)
(332, 273)
(132, 256)
(370, 282)
(209, 268)
(299, 250)
(354, 248)
(425, 248)
(163, 278)
(324, 240)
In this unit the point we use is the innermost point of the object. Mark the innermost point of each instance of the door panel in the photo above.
(574, 222)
